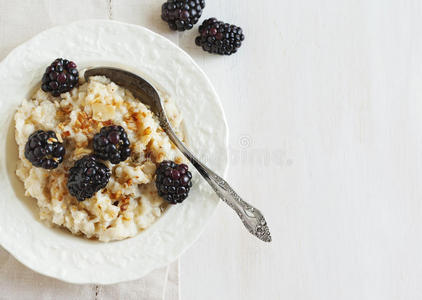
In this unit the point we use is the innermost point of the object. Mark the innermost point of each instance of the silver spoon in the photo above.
(251, 217)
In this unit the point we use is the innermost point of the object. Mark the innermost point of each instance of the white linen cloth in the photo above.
(19, 282)
(19, 21)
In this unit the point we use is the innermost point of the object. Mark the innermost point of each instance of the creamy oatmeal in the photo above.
(129, 203)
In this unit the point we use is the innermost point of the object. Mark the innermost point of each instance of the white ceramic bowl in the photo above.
(55, 252)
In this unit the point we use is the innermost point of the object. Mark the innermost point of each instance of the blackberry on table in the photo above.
(181, 15)
(219, 37)
(44, 150)
(173, 181)
(112, 144)
(60, 77)
(87, 177)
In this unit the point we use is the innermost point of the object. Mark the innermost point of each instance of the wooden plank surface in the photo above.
(323, 103)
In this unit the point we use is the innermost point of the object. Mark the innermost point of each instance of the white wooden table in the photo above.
(324, 108)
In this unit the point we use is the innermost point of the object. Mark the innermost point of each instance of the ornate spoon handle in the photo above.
(251, 217)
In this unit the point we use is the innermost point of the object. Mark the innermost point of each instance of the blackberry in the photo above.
(87, 177)
(44, 150)
(112, 144)
(60, 77)
(219, 37)
(173, 181)
(181, 15)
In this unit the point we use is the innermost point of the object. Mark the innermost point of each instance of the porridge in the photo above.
(129, 203)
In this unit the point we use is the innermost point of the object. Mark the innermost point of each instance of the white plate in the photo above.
(56, 253)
